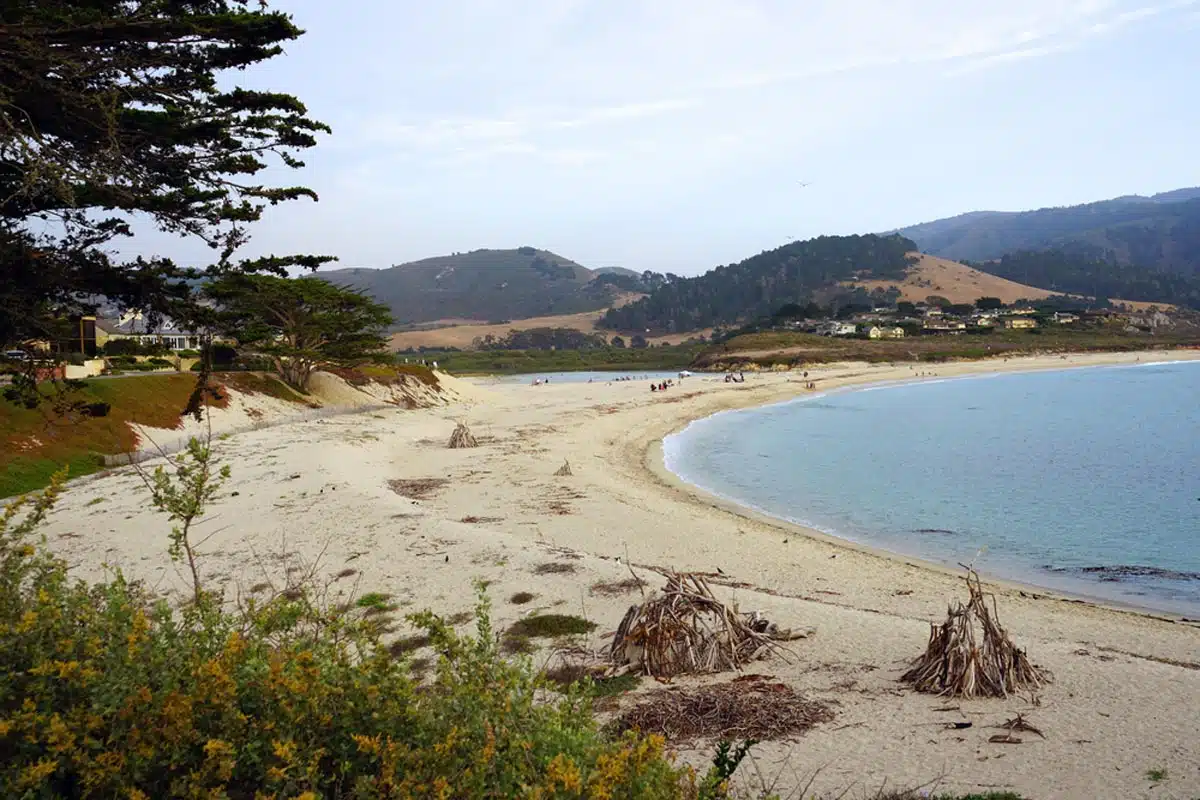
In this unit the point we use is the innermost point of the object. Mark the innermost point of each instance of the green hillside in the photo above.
(795, 273)
(1156, 233)
(486, 285)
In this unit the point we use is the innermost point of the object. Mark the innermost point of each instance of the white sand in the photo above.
(320, 488)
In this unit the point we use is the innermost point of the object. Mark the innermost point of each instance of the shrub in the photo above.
(106, 692)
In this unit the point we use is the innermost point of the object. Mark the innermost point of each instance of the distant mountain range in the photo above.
(489, 285)
(1161, 232)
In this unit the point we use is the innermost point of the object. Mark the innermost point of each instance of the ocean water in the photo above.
(1085, 481)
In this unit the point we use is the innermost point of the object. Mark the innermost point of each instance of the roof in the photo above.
(138, 325)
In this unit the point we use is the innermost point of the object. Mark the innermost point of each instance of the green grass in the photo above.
(1157, 775)
(549, 626)
(36, 443)
(512, 362)
(778, 347)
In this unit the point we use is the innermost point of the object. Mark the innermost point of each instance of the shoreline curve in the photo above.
(656, 466)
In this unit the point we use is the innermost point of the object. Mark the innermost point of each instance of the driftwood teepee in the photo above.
(685, 629)
(462, 437)
(564, 470)
(970, 655)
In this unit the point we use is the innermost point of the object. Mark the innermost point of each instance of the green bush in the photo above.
(106, 692)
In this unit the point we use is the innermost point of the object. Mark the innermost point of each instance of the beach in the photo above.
(379, 493)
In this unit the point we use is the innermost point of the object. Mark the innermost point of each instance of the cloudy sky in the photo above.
(676, 135)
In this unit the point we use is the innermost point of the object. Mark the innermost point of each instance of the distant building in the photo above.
(1020, 323)
(1065, 318)
(834, 328)
(135, 326)
(944, 326)
(885, 332)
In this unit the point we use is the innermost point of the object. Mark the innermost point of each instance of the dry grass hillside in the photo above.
(461, 333)
(959, 283)
(956, 282)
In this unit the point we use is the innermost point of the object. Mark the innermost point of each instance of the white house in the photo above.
(834, 328)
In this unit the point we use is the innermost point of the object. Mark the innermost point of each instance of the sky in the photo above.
(678, 135)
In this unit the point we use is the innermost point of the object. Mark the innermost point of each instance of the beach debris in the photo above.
(564, 470)
(462, 438)
(1018, 723)
(417, 488)
(684, 629)
(758, 708)
(971, 655)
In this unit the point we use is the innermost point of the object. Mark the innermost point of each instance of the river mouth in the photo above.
(1080, 481)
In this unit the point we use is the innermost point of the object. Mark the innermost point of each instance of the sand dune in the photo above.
(1126, 687)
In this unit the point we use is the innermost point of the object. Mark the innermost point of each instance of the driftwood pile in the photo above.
(751, 707)
(970, 655)
(685, 629)
(564, 470)
(462, 438)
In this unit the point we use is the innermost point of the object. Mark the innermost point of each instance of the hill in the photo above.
(1070, 273)
(484, 285)
(462, 336)
(958, 283)
(799, 272)
(1161, 232)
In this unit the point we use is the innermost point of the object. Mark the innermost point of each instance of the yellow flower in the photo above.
(284, 751)
(562, 770)
(36, 774)
(366, 744)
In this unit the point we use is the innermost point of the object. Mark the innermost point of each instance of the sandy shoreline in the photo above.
(380, 493)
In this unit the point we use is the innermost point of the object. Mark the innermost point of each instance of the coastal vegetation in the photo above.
(512, 362)
(300, 324)
(95, 417)
(784, 349)
(108, 691)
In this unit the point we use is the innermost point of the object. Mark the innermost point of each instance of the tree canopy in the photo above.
(301, 324)
(1077, 274)
(118, 111)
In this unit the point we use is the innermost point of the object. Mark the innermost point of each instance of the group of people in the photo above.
(731, 378)
(661, 386)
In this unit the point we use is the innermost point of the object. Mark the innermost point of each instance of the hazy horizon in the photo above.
(676, 136)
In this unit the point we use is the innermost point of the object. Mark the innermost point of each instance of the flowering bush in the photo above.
(107, 692)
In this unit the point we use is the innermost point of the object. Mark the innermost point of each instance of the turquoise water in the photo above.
(1085, 481)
